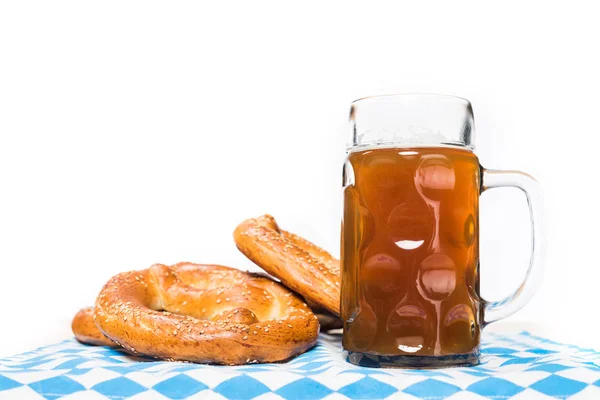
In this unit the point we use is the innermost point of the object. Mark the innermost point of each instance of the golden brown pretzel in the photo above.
(86, 331)
(204, 313)
(298, 263)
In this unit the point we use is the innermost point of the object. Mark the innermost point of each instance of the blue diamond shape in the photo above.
(307, 357)
(179, 387)
(541, 351)
(304, 388)
(31, 364)
(311, 373)
(495, 387)
(125, 369)
(367, 371)
(6, 383)
(71, 350)
(558, 386)
(522, 360)
(79, 371)
(430, 373)
(476, 373)
(56, 387)
(591, 365)
(368, 388)
(550, 367)
(498, 350)
(597, 383)
(184, 367)
(34, 360)
(241, 387)
(432, 388)
(311, 353)
(480, 368)
(72, 363)
(119, 387)
(311, 366)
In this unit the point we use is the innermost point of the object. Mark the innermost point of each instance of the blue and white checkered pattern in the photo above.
(516, 367)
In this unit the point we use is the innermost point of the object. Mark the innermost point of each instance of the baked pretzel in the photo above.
(205, 314)
(298, 263)
(86, 331)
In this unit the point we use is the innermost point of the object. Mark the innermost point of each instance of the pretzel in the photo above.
(86, 331)
(299, 264)
(205, 314)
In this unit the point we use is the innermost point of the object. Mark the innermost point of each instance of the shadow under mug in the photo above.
(410, 234)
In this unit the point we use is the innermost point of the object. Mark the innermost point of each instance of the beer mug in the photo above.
(410, 234)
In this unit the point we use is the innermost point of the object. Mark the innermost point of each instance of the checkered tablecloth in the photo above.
(518, 366)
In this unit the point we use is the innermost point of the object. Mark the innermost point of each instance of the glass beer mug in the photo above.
(410, 234)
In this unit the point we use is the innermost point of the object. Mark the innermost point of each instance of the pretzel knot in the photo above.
(204, 313)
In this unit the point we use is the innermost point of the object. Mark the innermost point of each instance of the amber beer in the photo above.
(410, 280)
(410, 234)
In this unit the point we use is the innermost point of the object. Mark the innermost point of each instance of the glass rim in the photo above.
(409, 119)
(412, 94)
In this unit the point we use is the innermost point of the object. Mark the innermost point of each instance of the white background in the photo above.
(143, 132)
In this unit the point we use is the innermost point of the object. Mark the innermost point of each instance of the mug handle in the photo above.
(495, 310)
